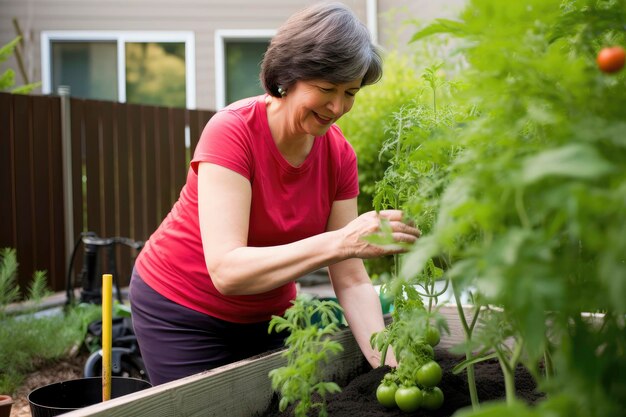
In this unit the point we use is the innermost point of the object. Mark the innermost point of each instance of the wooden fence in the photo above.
(128, 164)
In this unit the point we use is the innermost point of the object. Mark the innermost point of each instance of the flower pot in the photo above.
(6, 402)
(62, 397)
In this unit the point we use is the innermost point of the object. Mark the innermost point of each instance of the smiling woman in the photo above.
(270, 197)
(307, 111)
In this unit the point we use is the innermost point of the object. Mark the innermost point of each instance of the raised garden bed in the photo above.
(243, 388)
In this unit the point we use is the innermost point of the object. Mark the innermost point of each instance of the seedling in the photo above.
(311, 323)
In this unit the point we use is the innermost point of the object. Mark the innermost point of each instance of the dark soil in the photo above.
(358, 398)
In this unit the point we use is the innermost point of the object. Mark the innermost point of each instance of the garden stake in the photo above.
(107, 339)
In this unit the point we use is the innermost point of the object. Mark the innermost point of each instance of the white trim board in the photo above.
(220, 60)
(122, 37)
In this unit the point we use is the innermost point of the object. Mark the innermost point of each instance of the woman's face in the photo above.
(316, 104)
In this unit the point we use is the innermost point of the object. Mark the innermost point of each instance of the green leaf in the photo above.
(7, 49)
(414, 262)
(448, 26)
(9, 289)
(575, 161)
(498, 409)
(121, 310)
(26, 88)
(7, 79)
(37, 289)
(283, 404)
(461, 366)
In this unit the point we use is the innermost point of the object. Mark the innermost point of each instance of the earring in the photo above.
(282, 92)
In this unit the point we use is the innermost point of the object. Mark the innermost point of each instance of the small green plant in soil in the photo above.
(29, 341)
(310, 322)
(412, 334)
(417, 156)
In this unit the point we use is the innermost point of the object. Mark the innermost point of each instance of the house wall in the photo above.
(394, 18)
(202, 17)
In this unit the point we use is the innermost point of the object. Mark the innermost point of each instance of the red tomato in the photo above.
(611, 59)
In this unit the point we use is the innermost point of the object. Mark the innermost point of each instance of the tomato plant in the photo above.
(308, 346)
(517, 183)
(408, 398)
(611, 59)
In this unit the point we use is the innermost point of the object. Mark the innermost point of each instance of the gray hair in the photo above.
(325, 41)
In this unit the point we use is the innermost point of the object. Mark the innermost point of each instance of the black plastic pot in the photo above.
(66, 396)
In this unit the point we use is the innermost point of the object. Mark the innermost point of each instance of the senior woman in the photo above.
(270, 196)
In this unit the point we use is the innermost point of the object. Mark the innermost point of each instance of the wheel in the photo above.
(124, 362)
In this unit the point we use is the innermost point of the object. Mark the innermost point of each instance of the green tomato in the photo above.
(386, 394)
(432, 336)
(408, 398)
(429, 374)
(432, 398)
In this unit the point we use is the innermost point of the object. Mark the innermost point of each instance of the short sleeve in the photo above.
(348, 181)
(225, 141)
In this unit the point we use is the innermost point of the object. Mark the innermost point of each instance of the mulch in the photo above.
(63, 370)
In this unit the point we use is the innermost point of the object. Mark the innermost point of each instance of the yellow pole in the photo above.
(107, 334)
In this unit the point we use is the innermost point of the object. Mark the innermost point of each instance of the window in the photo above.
(238, 56)
(89, 68)
(133, 67)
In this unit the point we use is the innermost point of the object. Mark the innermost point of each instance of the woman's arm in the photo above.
(355, 292)
(224, 198)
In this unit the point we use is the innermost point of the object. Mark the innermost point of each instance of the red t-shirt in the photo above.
(288, 204)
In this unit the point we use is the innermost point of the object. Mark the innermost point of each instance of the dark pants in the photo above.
(176, 341)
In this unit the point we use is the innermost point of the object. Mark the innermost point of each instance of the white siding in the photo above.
(202, 17)
(394, 28)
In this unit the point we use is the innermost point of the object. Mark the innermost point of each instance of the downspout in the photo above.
(372, 19)
(66, 152)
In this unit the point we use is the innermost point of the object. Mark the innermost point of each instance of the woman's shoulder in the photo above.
(244, 105)
(337, 140)
(244, 112)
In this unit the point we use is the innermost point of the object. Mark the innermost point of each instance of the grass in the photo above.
(29, 341)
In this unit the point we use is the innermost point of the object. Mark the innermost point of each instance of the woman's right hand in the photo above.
(353, 234)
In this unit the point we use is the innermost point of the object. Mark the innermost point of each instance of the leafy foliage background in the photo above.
(519, 183)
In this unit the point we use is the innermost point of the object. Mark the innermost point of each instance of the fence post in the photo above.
(66, 140)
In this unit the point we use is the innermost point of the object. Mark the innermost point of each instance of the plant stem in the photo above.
(471, 377)
(383, 353)
(435, 102)
(508, 370)
(521, 211)
(547, 363)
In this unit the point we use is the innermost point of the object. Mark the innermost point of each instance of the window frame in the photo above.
(221, 37)
(121, 38)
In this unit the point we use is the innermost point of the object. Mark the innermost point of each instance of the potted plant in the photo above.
(6, 402)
